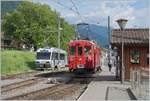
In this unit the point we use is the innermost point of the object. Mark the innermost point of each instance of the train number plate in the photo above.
(80, 66)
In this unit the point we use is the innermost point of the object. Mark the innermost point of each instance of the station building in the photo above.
(136, 48)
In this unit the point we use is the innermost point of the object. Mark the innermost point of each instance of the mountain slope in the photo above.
(94, 32)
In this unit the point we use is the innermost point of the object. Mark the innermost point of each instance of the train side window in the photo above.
(87, 50)
(54, 56)
(62, 57)
(79, 50)
(72, 50)
(43, 55)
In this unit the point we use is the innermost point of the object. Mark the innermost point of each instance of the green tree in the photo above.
(36, 24)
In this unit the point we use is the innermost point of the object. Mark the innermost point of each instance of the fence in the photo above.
(140, 82)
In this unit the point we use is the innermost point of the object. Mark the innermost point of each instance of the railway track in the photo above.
(19, 75)
(36, 77)
(55, 92)
(31, 74)
(19, 85)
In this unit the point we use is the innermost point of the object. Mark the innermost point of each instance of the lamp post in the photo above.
(122, 23)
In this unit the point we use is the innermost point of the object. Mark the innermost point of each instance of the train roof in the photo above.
(85, 42)
(52, 49)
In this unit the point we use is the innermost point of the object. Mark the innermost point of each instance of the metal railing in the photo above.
(140, 82)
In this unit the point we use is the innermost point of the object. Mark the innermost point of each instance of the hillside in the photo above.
(94, 32)
(8, 6)
(13, 62)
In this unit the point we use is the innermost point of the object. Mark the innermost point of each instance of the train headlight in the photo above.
(37, 62)
(47, 62)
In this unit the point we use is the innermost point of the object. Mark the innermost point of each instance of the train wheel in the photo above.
(56, 68)
(98, 69)
(70, 70)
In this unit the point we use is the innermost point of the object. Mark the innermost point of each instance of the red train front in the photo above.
(83, 54)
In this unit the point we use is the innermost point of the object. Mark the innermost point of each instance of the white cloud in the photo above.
(72, 15)
(97, 11)
(136, 17)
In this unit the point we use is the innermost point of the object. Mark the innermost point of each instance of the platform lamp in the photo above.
(122, 24)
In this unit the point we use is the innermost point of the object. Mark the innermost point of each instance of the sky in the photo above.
(97, 11)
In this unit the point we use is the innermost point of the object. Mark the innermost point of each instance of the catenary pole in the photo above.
(59, 32)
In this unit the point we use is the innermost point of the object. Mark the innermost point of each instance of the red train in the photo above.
(83, 54)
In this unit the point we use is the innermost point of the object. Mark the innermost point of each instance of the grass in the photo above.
(14, 62)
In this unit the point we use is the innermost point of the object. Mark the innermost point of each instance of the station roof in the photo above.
(130, 36)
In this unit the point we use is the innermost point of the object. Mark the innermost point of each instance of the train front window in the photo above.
(72, 50)
(43, 55)
(54, 56)
(62, 56)
(87, 50)
(79, 50)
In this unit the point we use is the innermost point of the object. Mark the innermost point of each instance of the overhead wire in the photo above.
(75, 10)
(78, 13)
(56, 1)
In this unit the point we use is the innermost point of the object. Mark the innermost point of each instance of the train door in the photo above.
(88, 56)
(81, 59)
(62, 60)
(66, 59)
(55, 59)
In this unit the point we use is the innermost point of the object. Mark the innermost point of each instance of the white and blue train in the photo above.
(50, 58)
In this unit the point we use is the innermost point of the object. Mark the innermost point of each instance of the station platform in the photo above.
(105, 87)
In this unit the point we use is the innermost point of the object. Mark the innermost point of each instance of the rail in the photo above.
(140, 82)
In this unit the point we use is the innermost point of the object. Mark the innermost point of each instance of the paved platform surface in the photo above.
(105, 87)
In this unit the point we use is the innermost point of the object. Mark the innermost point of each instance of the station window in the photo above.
(135, 56)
